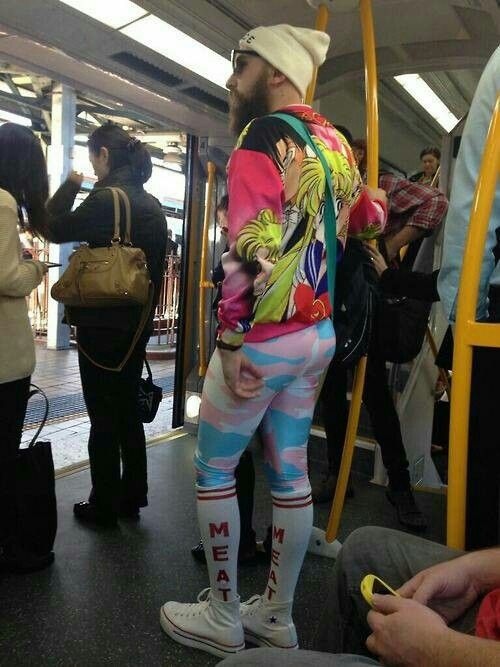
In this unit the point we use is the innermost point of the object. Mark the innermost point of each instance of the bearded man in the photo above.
(275, 336)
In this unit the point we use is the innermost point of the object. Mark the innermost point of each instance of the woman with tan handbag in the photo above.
(112, 338)
(23, 187)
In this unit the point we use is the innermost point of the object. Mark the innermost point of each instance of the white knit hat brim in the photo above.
(295, 52)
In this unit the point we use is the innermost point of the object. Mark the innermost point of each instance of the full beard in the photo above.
(243, 109)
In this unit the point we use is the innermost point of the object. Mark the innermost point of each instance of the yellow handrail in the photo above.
(359, 375)
(204, 284)
(469, 333)
(321, 24)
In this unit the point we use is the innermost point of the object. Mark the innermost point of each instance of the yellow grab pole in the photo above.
(359, 376)
(321, 24)
(332, 528)
(204, 284)
(370, 91)
(469, 333)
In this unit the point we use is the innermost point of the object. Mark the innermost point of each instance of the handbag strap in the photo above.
(36, 390)
(330, 218)
(144, 318)
(118, 194)
(148, 368)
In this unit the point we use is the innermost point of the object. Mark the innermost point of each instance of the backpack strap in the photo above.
(330, 218)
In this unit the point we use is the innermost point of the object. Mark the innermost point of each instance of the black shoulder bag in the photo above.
(36, 491)
(400, 325)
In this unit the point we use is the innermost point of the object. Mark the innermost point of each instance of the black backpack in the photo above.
(356, 293)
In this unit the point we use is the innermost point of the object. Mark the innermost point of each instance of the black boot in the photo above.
(89, 513)
(16, 559)
(409, 514)
(324, 490)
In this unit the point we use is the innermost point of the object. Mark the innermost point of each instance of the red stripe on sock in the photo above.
(290, 500)
(216, 490)
(232, 495)
(291, 507)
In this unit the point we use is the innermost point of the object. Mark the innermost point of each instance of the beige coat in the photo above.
(18, 277)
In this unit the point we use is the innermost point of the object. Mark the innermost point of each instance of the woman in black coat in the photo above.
(117, 446)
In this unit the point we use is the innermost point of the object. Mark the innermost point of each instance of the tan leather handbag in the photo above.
(116, 275)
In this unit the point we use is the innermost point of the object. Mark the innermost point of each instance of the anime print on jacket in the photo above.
(276, 280)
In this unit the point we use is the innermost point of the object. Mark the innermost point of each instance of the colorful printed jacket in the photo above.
(275, 270)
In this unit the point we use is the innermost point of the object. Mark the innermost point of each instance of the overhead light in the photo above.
(24, 92)
(8, 117)
(172, 156)
(5, 88)
(174, 44)
(427, 98)
(21, 80)
(113, 14)
(86, 116)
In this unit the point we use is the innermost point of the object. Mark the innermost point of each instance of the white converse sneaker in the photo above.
(268, 623)
(209, 625)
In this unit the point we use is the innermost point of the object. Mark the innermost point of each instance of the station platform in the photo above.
(99, 603)
(68, 425)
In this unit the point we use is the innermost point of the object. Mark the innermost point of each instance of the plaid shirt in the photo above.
(412, 204)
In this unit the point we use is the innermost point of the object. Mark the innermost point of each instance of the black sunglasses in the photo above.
(243, 52)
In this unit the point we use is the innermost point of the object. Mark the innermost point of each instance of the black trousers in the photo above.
(13, 402)
(245, 487)
(383, 416)
(117, 445)
(483, 484)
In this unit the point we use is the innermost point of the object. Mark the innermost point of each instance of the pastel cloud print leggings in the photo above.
(292, 366)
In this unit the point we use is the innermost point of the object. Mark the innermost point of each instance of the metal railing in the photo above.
(167, 310)
(38, 300)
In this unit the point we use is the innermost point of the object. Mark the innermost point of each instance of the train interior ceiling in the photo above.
(117, 58)
(447, 42)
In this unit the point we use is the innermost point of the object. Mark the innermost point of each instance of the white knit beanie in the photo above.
(295, 52)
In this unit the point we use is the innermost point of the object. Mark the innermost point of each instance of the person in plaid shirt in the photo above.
(414, 211)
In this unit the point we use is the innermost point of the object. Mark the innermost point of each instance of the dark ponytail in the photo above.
(123, 150)
(23, 173)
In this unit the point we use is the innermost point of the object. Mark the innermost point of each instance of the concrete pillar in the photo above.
(60, 162)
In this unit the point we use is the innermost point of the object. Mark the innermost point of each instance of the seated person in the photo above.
(446, 597)
(429, 161)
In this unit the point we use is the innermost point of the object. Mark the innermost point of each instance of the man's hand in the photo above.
(377, 193)
(392, 247)
(449, 588)
(404, 631)
(375, 256)
(242, 377)
(76, 178)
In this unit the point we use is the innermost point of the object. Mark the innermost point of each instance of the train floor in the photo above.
(99, 603)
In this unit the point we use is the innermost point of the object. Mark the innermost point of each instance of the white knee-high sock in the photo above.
(219, 519)
(292, 525)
